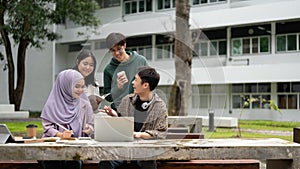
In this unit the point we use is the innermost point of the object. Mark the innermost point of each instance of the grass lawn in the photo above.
(19, 129)
(254, 125)
(229, 133)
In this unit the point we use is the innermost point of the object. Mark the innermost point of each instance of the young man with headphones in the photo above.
(147, 108)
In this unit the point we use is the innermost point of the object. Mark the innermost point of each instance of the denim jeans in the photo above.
(61, 164)
(114, 164)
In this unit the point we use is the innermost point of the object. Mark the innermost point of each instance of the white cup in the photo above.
(122, 74)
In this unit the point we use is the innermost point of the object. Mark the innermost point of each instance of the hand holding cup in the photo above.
(121, 79)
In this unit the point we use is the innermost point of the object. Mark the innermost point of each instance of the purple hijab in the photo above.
(61, 107)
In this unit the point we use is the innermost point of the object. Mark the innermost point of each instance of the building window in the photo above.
(204, 48)
(130, 7)
(250, 45)
(287, 101)
(209, 42)
(164, 51)
(165, 4)
(210, 48)
(198, 2)
(141, 44)
(296, 87)
(146, 51)
(264, 45)
(237, 47)
(281, 43)
(283, 87)
(77, 47)
(288, 36)
(143, 50)
(164, 47)
(299, 41)
(100, 45)
(251, 96)
(134, 6)
(206, 96)
(287, 42)
(288, 95)
(108, 3)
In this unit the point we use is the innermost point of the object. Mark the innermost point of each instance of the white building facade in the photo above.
(246, 54)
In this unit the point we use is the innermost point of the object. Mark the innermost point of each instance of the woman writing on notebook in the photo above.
(147, 108)
(67, 113)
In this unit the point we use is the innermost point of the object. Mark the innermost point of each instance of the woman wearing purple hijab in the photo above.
(67, 112)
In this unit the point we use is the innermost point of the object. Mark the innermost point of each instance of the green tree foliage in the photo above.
(25, 24)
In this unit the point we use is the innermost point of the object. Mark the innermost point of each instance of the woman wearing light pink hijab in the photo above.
(68, 108)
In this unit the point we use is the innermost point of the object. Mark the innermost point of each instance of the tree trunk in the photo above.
(15, 91)
(183, 61)
(9, 57)
(18, 92)
(174, 101)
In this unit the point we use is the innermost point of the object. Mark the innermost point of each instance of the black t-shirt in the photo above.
(140, 114)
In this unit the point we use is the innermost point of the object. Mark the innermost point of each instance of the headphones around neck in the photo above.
(145, 105)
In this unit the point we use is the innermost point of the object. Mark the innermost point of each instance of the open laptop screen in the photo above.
(113, 129)
(5, 135)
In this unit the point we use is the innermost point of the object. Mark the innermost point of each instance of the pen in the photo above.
(62, 127)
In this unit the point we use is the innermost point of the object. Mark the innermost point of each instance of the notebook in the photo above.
(6, 136)
(113, 129)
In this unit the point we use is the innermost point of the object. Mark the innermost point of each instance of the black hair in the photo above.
(115, 39)
(84, 53)
(148, 75)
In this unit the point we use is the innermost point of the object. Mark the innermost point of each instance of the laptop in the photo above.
(113, 129)
(6, 136)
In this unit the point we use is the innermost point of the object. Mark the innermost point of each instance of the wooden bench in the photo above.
(20, 164)
(185, 136)
(192, 164)
(182, 133)
(209, 164)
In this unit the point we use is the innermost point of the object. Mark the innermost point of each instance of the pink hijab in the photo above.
(61, 107)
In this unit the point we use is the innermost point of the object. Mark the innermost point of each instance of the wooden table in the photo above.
(198, 149)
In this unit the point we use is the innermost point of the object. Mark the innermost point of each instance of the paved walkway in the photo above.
(268, 132)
